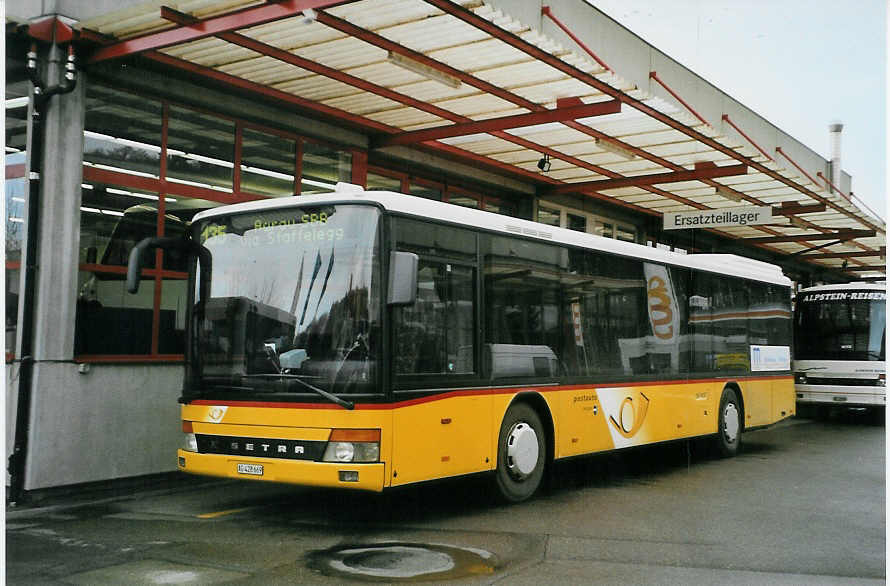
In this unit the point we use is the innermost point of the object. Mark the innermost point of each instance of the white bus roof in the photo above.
(847, 287)
(724, 264)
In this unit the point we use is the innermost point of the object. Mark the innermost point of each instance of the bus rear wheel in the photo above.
(522, 454)
(729, 424)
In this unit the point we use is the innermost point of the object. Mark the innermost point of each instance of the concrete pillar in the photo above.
(59, 239)
(55, 276)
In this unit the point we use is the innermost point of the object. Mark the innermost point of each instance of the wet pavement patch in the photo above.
(401, 562)
(146, 572)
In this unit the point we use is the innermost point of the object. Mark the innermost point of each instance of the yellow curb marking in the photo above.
(220, 513)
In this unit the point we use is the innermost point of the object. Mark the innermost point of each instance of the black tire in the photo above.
(522, 454)
(729, 424)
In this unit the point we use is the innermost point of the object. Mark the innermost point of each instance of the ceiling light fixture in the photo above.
(615, 149)
(422, 69)
(544, 163)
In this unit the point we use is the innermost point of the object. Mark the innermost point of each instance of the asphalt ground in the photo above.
(803, 503)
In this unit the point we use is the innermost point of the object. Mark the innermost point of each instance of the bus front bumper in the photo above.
(851, 396)
(306, 473)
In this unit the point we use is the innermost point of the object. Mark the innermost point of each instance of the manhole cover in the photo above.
(402, 562)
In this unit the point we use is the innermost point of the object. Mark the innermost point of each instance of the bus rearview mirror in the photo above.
(137, 256)
(402, 278)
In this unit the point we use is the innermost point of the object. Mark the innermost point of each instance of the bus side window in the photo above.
(436, 335)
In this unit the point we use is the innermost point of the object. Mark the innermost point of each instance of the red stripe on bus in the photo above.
(477, 392)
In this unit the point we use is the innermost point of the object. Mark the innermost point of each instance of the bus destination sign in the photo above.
(743, 216)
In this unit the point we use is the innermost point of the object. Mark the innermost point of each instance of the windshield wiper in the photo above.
(294, 377)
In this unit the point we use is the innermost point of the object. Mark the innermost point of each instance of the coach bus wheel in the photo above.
(522, 453)
(729, 427)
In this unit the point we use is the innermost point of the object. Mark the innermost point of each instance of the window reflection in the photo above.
(200, 149)
(463, 201)
(14, 200)
(113, 220)
(122, 131)
(426, 192)
(268, 163)
(323, 167)
(548, 216)
(383, 183)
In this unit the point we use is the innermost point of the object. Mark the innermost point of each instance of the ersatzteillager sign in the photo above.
(743, 216)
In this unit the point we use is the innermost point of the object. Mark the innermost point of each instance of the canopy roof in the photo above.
(468, 81)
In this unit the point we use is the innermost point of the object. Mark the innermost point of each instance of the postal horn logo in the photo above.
(631, 415)
(660, 309)
(216, 413)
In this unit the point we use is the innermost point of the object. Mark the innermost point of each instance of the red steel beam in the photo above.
(798, 167)
(241, 83)
(298, 61)
(700, 172)
(831, 185)
(840, 235)
(677, 97)
(881, 252)
(384, 43)
(262, 48)
(536, 52)
(212, 26)
(545, 10)
(881, 268)
(277, 53)
(748, 138)
(503, 123)
(795, 209)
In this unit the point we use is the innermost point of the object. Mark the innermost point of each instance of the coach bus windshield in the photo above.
(292, 302)
(846, 325)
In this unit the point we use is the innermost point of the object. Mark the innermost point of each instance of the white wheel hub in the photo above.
(522, 450)
(730, 422)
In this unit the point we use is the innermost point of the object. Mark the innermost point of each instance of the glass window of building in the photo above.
(109, 320)
(268, 163)
(625, 233)
(122, 132)
(548, 216)
(576, 222)
(323, 166)
(200, 149)
(466, 201)
(426, 191)
(603, 229)
(16, 188)
(379, 182)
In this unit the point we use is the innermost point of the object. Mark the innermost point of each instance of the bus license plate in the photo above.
(252, 469)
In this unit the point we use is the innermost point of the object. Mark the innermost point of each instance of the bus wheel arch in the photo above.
(730, 420)
(524, 448)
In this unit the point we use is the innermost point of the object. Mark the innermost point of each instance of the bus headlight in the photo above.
(353, 445)
(190, 441)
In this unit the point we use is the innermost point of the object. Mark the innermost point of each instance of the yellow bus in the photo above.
(371, 340)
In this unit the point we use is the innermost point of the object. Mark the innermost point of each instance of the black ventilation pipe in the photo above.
(42, 94)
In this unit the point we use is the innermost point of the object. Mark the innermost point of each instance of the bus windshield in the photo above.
(293, 302)
(840, 326)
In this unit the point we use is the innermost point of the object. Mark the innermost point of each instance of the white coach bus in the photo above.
(839, 345)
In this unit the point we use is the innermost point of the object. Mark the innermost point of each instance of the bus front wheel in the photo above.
(522, 454)
(729, 424)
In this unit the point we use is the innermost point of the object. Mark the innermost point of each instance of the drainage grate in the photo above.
(401, 562)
